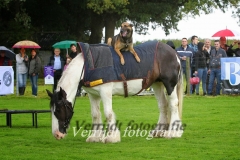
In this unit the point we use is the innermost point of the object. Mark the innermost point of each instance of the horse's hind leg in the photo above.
(97, 125)
(163, 121)
(175, 128)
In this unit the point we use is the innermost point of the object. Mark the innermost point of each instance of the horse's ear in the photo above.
(49, 93)
(63, 94)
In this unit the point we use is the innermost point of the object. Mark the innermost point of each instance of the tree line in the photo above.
(85, 20)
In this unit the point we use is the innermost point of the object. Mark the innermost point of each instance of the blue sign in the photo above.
(230, 70)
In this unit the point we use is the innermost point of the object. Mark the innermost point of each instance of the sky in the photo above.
(204, 26)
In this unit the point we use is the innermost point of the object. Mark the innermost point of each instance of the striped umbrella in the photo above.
(26, 44)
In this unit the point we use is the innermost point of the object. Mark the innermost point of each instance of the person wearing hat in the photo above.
(74, 52)
(227, 48)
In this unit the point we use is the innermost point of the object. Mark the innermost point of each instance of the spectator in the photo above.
(4, 61)
(215, 67)
(193, 45)
(171, 44)
(57, 61)
(208, 49)
(201, 67)
(34, 70)
(185, 51)
(67, 63)
(223, 45)
(237, 50)
(22, 69)
(74, 51)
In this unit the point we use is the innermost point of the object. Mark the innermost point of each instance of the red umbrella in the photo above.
(26, 44)
(226, 33)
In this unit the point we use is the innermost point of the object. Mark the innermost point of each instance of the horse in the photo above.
(165, 77)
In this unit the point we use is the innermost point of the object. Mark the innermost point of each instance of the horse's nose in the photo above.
(58, 135)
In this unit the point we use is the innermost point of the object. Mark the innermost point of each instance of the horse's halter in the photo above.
(67, 116)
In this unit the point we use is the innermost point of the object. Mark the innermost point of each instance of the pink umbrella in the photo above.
(26, 44)
(226, 33)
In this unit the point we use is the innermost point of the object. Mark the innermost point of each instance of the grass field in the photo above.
(212, 130)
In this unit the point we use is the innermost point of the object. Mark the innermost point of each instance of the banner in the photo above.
(6, 80)
(230, 75)
(48, 75)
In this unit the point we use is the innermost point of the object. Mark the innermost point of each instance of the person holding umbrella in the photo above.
(22, 69)
(227, 48)
(4, 60)
(33, 71)
(237, 50)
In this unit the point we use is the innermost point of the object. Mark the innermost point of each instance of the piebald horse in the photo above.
(166, 74)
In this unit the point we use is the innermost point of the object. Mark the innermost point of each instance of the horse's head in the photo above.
(62, 112)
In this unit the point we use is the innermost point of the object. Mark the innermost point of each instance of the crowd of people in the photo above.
(30, 67)
(205, 61)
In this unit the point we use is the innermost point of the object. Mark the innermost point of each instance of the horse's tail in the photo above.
(180, 92)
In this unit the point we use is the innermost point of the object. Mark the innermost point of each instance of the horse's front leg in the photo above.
(112, 132)
(97, 125)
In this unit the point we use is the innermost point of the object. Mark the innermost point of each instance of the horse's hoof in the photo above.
(93, 139)
(174, 134)
(158, 133)
(112, 137)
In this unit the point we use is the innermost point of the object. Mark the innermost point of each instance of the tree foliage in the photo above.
(85, 20)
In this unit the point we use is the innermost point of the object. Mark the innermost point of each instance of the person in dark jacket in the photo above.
(193, 45)
(4, 61)
(215, 67)
(34, 70)
(227, 48)
(208, 48)
(201, 67)
(237, 50)
(171, 44)
(185, 51)
(72, 55)
(57, 62)
(74, 51)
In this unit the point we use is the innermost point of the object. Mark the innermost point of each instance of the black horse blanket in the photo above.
(102, 64)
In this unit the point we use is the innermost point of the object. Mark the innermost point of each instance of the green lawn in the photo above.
(212, 130)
